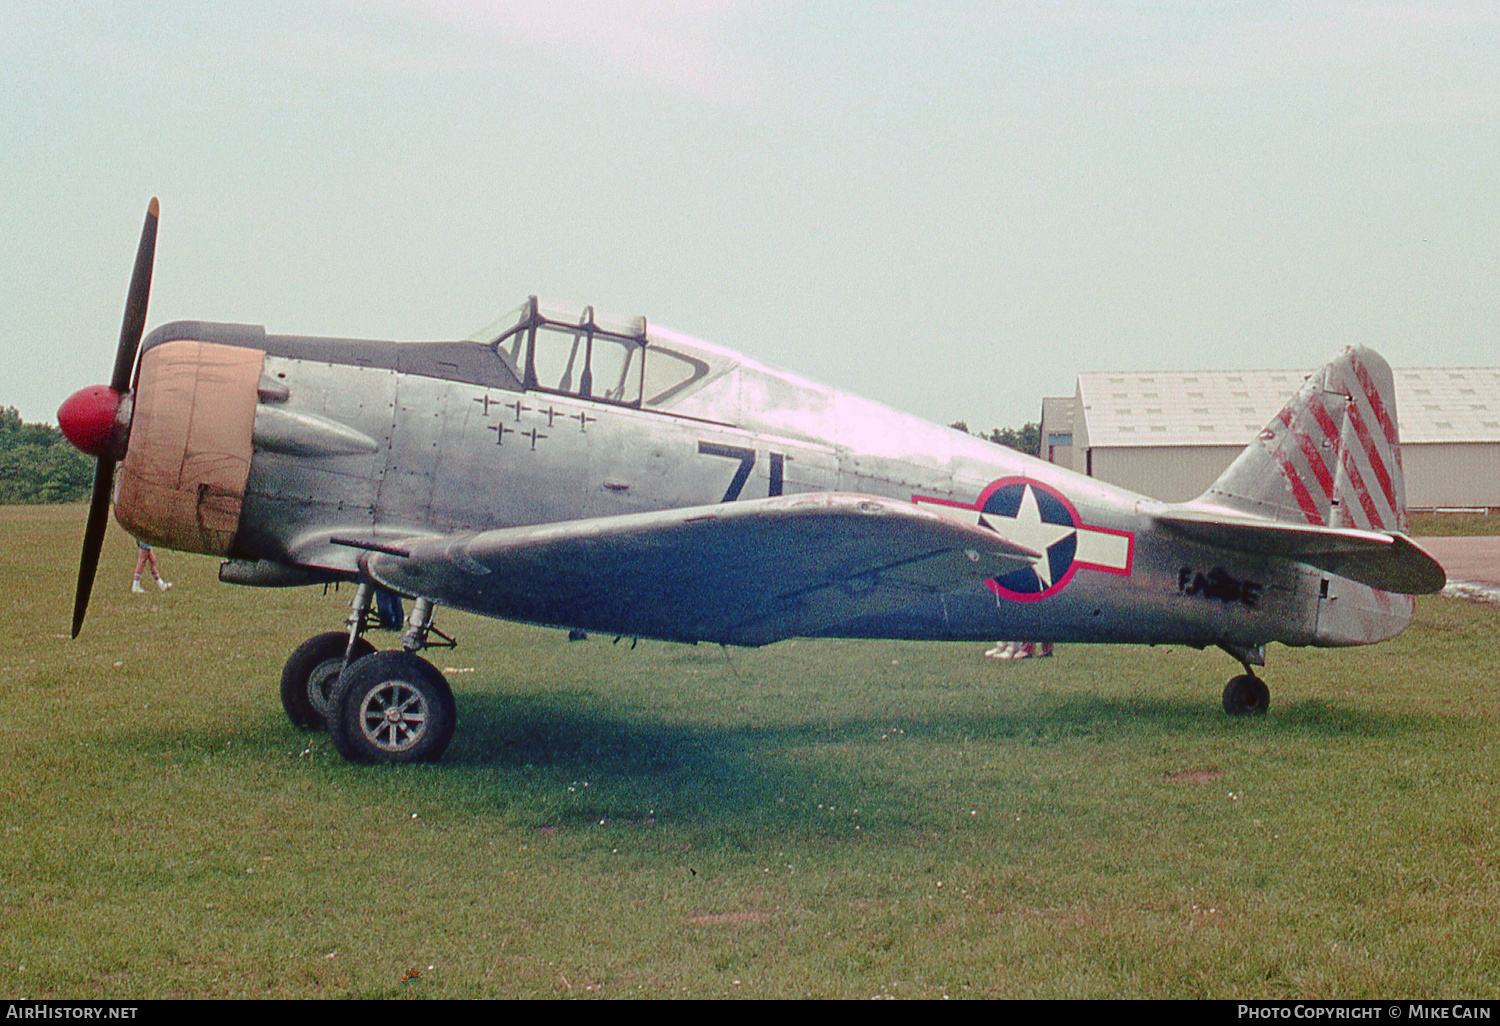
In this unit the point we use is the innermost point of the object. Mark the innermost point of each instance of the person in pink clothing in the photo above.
(146, 556)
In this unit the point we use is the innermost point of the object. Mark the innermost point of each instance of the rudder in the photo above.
(1332, 455)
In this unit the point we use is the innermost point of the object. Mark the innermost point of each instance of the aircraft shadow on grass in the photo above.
(553, 733)
(564, 763)
(513, 731)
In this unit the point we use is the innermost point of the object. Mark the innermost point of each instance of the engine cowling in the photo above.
(182, 482)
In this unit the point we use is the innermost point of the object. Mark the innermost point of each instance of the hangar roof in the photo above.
(1448, 404)
(1205, 408)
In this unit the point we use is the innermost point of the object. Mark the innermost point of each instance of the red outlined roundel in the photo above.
(1037, 515)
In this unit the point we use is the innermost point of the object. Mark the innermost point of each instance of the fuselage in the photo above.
(383, 442)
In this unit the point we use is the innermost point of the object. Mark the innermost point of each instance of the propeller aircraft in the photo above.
(568, 469)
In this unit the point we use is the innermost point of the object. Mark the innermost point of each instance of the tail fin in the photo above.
(1328, 467)
(1331, 457)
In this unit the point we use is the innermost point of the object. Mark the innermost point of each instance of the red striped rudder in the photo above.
(1331, 456)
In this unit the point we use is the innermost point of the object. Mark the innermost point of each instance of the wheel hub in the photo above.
(321, 683)
(393, 716)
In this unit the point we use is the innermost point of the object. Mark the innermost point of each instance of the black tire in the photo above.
(1246, 695)
(310, 675)
(392, 707)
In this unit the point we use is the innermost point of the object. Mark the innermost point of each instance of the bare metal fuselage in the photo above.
(383, 443)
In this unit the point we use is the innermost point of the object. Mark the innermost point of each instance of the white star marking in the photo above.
(1029, 529)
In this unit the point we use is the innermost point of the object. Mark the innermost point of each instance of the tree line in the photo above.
(38, 465)
(1027, 438)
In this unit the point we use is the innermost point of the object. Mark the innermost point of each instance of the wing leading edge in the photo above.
(744, 573)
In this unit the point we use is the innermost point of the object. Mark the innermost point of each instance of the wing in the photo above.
(1390, 562)
(745, 573)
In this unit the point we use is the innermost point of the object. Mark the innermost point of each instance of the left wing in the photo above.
(744, 573)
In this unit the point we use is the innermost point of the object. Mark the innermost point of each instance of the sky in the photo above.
(951, 207)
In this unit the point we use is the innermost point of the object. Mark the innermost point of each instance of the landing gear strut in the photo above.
(311, 673)
(395, 707)
(378, 707)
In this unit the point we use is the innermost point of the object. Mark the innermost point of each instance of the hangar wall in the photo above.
(1462, 474)
(1170, 473)
(1437, 475)
(1169, 435)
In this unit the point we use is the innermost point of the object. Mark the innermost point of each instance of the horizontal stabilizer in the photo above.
(745, 573)
(1390, 562)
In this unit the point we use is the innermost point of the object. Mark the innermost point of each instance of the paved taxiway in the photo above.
(1473, 564)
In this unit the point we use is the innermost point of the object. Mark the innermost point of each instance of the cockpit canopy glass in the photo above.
(572, 351)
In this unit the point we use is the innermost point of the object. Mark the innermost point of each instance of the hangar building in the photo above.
(1169, 434)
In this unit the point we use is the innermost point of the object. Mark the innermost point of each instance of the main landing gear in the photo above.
(1247, 694)
(378, 707)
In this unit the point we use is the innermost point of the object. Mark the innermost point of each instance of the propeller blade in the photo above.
(135, 302)
(93, 538)
(133, 325)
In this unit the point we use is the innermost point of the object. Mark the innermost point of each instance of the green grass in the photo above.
(815, 818)
(1455, 524)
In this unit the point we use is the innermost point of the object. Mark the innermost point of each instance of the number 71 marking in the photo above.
(742, 472)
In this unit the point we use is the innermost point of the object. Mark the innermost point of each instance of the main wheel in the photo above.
(1246, 695)
(308, 679)
(392, 707)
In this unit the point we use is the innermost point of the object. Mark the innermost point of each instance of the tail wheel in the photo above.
(310, 675)
(392, 707)
(1246, 695)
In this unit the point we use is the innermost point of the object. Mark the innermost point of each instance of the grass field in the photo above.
(1453, 524)
(814, 818)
